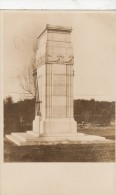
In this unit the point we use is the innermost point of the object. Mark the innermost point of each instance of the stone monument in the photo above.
(53, 78)
(54, 82)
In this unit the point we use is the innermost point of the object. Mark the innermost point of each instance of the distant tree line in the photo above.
(91, 111)
(19, 116)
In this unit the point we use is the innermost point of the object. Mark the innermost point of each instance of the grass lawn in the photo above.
(108, 133)
(64, 153)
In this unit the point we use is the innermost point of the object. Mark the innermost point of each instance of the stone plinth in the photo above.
(31, 138)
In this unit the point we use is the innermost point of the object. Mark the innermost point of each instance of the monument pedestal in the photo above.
(52, 125)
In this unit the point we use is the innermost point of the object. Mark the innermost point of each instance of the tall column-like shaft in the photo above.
(54, 60)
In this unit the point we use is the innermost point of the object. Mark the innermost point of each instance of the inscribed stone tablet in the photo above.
(59, 69)
(59, 91)
(59, 112)
(59, 101)
(59, 80)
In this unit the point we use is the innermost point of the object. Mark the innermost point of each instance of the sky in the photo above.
(94, 46)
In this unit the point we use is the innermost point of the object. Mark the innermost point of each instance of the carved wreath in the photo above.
(59, 59)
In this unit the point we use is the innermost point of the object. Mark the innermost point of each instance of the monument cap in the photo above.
(56, 28)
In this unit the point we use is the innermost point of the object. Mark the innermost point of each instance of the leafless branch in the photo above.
(26, 75)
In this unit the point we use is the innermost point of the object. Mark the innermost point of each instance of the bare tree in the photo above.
(26, 78)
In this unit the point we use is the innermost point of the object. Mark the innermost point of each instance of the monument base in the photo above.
(54, 125)
(31, 138)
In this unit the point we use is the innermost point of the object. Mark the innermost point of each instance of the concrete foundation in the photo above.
(30, 138)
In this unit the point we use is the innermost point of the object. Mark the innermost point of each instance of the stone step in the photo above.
(72, 138)
(33, 133)
(94, 137)
(61, 134)
(25, 136)
(22, 139)
(55, 134)
(67, 135)
(19, 141)
(15, 140)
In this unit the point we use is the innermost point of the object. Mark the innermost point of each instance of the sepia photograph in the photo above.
(59, 86)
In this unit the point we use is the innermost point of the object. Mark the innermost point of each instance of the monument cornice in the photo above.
(57, 28)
